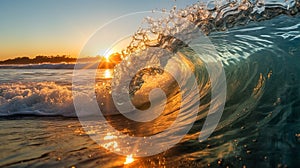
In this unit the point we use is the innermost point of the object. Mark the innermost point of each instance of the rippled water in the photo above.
(260, 125)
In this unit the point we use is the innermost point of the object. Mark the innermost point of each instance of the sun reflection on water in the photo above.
(109, 136)
(107, 73)
(129, 159)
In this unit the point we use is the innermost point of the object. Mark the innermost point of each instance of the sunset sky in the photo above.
(61, 27)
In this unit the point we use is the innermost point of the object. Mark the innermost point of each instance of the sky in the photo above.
(63, 27)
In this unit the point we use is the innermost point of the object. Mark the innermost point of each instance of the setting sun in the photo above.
(108, 53)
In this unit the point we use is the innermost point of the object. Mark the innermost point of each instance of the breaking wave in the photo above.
(38, 98)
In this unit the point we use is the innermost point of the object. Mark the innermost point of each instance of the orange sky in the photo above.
(33, 27)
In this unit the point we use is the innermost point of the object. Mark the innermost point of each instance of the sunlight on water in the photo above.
(111, 142)
(107, 73)
(129, 159)
(109, 137)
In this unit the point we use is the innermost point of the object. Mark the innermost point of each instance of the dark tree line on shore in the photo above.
(39, 59)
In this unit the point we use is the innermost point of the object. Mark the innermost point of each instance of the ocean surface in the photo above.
(259, 127)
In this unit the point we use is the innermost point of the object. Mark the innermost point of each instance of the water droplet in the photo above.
(220, 162)
(211, 5)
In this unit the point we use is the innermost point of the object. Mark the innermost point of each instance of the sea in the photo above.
(259, 126)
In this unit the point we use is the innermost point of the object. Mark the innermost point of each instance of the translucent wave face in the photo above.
(156, 72)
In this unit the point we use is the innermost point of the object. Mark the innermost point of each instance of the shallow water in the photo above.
(260, 125)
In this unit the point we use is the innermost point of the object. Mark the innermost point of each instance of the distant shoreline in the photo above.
(38, 60)
(59, 62)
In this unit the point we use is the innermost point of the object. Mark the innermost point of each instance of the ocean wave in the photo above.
(213, 16)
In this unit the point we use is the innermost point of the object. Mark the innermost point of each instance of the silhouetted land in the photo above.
(39, 60)
(103, 63)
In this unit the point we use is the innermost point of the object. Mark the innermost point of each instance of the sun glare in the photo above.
(108, 53)
(129, 159)
(107, 73)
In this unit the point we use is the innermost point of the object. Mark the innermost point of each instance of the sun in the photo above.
(108, 53)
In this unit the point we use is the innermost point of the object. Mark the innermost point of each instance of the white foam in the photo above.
(36, 98)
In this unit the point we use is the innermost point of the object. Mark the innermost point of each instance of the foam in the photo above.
(36, 98)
